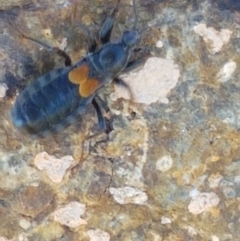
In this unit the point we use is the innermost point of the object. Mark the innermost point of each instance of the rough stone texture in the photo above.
(178, 148)
(32, 200)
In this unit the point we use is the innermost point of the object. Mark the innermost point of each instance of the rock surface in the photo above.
(170, 169)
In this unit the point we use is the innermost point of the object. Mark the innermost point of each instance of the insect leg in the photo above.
(101, 120)
(134, 65)
(107, 121)
(106, 30)
(92, 41)
(121, 82)
(58, 51)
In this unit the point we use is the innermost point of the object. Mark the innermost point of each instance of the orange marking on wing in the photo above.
(79, 75)
(88, 87)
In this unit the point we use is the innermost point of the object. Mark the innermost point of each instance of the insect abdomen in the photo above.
(49, 102)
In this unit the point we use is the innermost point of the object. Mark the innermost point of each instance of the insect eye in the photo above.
(130, 38)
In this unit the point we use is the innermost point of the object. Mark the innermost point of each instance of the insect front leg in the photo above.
(135, 64)
(104, 34)
(106, 30)
(130, 66)
(121, 82)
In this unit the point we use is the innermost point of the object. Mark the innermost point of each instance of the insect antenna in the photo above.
(135, 14)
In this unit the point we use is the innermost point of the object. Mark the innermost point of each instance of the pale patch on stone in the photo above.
(151, 83)
(3, 90)
(3, 239)
(214, 39)
(63, 44)
(165, 220)
(21, 237)
(215, 238)
(214, 180)
(126, 195)
(98, 235)
(203, 202)
(25, 224)
(48, 33)
(54, 167)
(164, 164)
(192, 231)
(159, 44)
(151, 235)
(213, 158)
(227, 71)
(237, 180)
(70, 215)
(194, 193)
(165, 100)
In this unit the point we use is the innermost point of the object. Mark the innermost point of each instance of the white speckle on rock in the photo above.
(165, 220)
(237, 180)
(202, 202)
(164, 164)
(98, 235)
(192, 231)
(215, 238)
(165, 100)
(154, 236)
(22, 237)
(214, 39)
(25, 224)
(214, 180)
(159, 44)
(54, 167)
(70, 215)
(47, 33)
(226, 71)
(151, 83)
(64, 3)
(126, 195)
(3, 90)
(194, 193)
(3, 239)
(63, 44)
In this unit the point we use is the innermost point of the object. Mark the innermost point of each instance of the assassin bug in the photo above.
(56, 99)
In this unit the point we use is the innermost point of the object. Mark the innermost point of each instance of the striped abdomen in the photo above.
(48, 104)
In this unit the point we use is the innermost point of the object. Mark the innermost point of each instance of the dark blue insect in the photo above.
(232, 5)
(56, 99)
